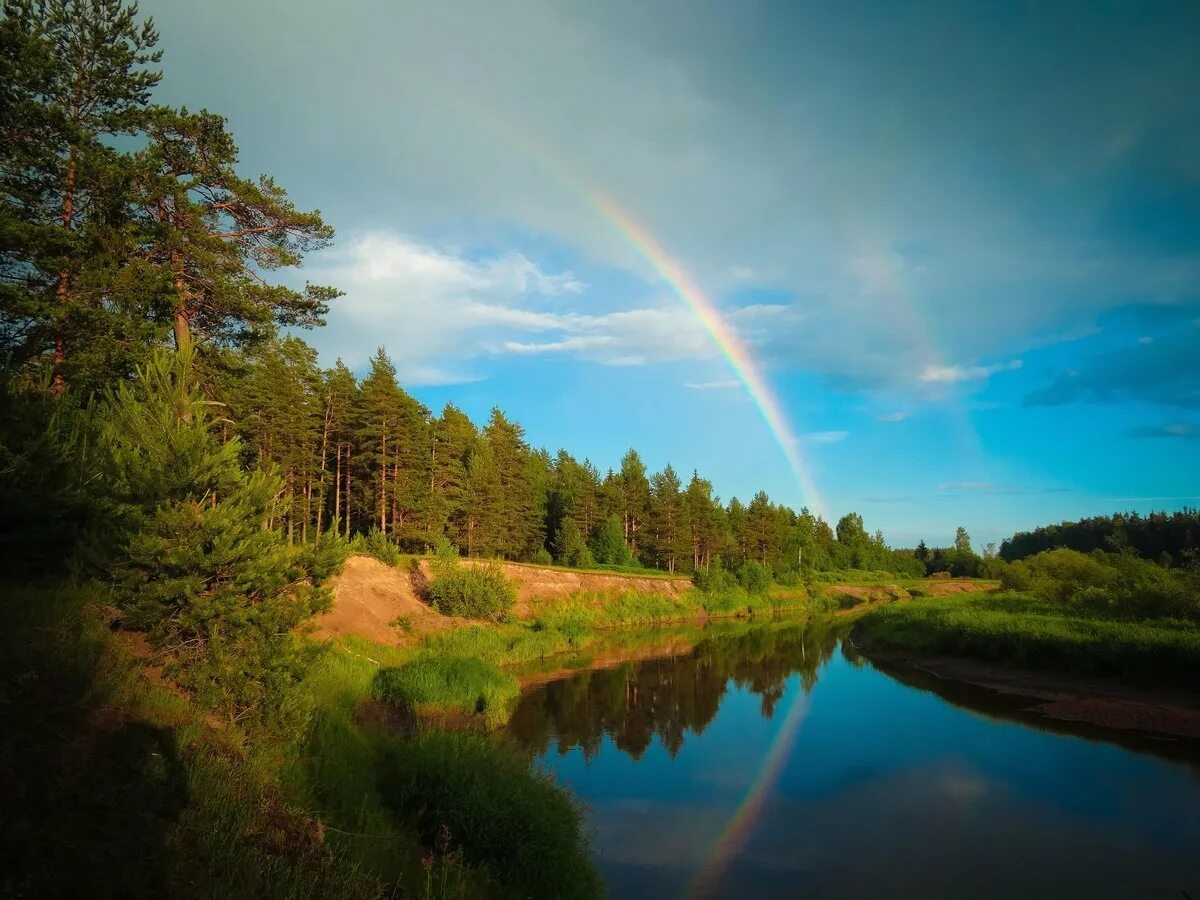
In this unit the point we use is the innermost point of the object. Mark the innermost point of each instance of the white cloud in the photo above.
(935, 374)
(826, 437)
(720, 384)
(436, 310)
(898, 416)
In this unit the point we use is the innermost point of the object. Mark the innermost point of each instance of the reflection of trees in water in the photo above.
(671, 696)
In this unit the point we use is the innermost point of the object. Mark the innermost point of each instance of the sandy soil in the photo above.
(368, 599)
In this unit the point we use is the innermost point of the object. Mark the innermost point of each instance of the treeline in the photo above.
(360, 456)
(127, 231)
(1170, 539)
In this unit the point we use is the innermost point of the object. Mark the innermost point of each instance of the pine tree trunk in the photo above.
(337, 491)
(324, 468)
(381, 512)
(347, 467)
(62, 287)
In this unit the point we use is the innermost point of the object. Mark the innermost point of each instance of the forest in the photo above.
(130, 235)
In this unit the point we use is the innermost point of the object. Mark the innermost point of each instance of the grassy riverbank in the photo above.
(1023, 631)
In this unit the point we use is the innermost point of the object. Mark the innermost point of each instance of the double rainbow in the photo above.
(706, 312)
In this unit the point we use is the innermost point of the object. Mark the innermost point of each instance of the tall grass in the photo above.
(116, 784)
(481, 792)
(1019, 630)
(440, 684)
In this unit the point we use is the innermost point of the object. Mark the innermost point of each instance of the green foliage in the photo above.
(1017, 629)
(111, 779)
(514, 820)
(608, 545)
(324, 557)
(437, 684)
(755, 577)
(1117, 584)
(185, 548)
(476, 591)
(541, 557)
(377, 544)
(570, 549)
(715, 578)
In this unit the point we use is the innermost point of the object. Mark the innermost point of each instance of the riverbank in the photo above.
(1136, 676)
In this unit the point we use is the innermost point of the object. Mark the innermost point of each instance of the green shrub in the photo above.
(714, 579)
(1118, 584)
(541, 557)
(477, 592)
(503, 814)
(377, 544)
(755, 577)
(439, 684)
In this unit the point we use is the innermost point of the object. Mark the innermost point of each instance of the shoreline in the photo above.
(1102, 703)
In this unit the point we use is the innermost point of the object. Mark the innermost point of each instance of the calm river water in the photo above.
(775, 761)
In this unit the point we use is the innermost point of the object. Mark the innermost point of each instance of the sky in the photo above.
(937, 263)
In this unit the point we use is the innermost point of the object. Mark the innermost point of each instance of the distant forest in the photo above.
(1172, 539)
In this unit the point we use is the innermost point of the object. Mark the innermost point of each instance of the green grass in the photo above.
(479, 792)
(1020, 631)
(439, 684)
(117, 785)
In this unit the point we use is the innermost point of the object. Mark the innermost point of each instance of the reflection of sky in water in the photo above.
(891, 792)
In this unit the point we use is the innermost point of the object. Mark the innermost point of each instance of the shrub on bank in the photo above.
(377, 544)
(1115, 584)
(476, 592)
(440, 684)
(504, 815)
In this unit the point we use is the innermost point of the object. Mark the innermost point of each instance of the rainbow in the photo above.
(737, 830)
(706, 312)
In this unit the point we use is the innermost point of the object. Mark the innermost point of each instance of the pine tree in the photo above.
(184, 544)
(668, 519)
(452, 437)
(216, 233)
(84, 62)
(341, 402)
(634, 492)
(517, 505)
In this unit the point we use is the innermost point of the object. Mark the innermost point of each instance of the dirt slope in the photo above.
(536, 583)
(369, 596)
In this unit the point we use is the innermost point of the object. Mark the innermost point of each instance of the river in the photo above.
(774, 760)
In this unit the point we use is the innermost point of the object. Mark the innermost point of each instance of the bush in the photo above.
(755, 577)
(479, 591)
(541, 557)
(377, 544)
(1114, 583)
(503, 814)
(714, 579)
(438, 684)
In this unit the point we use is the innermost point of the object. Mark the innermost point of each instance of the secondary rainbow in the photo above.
(723, 335)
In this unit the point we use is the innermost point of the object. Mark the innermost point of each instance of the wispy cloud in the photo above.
(898, 416)
(826, 437)
(1172, 430)
(722, 384)
(956, 374)
(958, 488)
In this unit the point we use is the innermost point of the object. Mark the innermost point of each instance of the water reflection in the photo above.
(674, 696)
(892, 784)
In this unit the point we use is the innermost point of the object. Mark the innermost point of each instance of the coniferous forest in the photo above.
(131, 234)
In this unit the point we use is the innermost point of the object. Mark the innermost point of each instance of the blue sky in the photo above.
(962, 240)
